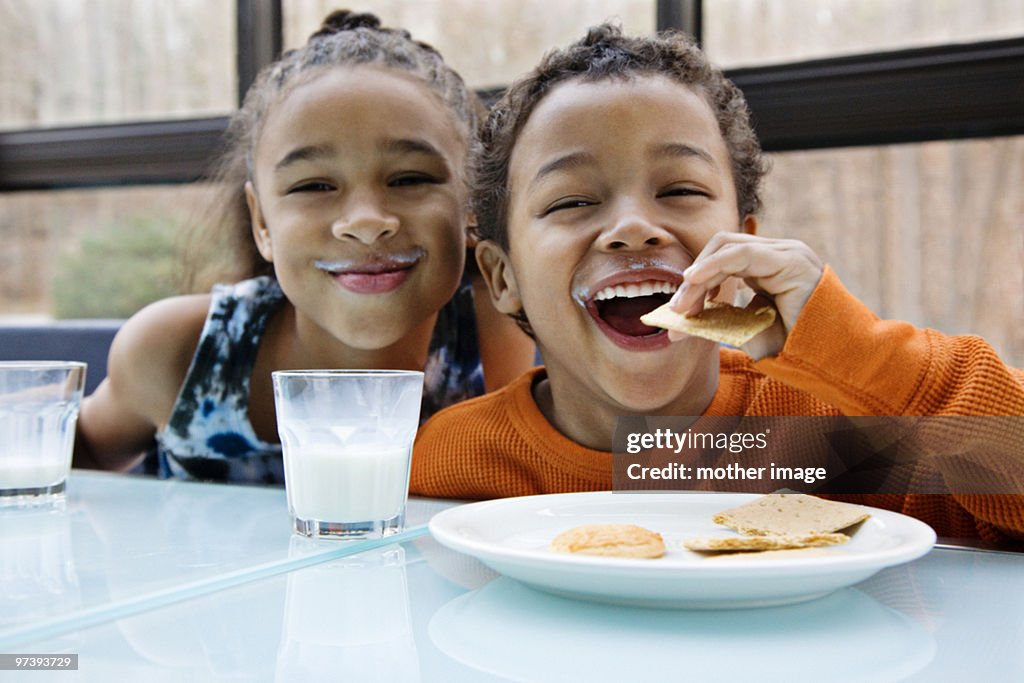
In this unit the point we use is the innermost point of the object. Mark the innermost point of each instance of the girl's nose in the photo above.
(365, 220)
(631, 229)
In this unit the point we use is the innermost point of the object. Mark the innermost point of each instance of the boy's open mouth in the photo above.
(620, 307)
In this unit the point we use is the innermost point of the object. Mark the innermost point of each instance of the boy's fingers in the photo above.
(688, 300)
(784, 270)
(773, 268)
(739, 260)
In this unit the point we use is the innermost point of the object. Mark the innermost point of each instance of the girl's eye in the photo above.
(413, 179)
(573, 203)
(314, 186)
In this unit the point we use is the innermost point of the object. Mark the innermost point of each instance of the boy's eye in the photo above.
(571, 203)
(683, 192)
(313, 186)
(407, 179)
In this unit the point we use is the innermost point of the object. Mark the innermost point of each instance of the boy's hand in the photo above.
(782, 270)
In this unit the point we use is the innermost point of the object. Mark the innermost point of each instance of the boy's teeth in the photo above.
(634, 290)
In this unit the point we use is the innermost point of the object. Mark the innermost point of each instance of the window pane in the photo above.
(755, 32)
(92, 253)
(928, 233)
(489, 43)
(74, 62)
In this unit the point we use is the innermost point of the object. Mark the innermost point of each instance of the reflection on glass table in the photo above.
(420, 612)
(351, 615)
(38, 579)
(587, 640)
(126, 544)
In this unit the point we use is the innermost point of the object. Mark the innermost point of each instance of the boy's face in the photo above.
(615, 187)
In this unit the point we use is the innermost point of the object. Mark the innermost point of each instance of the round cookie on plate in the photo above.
(610, 540)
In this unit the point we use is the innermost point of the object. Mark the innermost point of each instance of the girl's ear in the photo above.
(259, 228)
(749, 224)
(497, 272)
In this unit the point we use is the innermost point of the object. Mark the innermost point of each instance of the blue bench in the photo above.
(82, 340)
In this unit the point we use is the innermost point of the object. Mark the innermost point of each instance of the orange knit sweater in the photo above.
(839, 359)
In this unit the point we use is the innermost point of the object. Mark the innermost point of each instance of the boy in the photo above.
(622, 170)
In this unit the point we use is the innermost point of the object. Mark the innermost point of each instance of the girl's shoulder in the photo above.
(152, 352)
(166, 333)
(163, 325)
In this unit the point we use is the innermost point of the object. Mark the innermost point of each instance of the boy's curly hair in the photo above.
(607, 54)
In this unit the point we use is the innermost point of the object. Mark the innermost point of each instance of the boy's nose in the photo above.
(629, 230)
(365, 220)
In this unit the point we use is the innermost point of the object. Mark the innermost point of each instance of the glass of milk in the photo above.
(39, 403)
(347, 438)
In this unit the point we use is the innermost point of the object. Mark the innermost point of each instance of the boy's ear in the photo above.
(259, 228)
(749, 224)
(497, 272)
(472, 229)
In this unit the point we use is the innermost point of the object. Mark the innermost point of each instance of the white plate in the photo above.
(511, 535)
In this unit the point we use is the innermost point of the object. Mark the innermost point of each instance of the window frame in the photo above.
(876, 98)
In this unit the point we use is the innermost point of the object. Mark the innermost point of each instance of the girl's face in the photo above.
(359, 200)
(615, 187)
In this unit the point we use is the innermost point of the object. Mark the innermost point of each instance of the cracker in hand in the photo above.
(718, 322)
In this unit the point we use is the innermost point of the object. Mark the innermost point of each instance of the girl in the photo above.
(350, 156)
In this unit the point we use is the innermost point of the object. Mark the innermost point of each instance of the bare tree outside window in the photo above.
(75, 62)
(488, 42)
(927, 232)
(758, 32)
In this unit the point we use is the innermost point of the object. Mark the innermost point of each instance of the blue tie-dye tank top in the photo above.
(209, 436)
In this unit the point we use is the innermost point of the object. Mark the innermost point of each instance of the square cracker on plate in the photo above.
(756, 543)
(790, 514)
